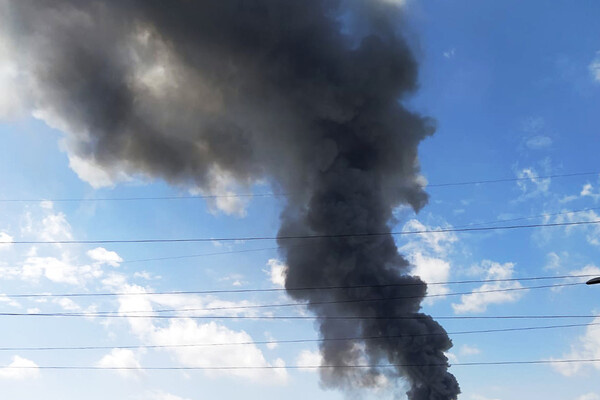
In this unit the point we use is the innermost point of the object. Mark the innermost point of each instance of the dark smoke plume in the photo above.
(304, 93)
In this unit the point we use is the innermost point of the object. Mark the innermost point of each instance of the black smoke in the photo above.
(307, 94)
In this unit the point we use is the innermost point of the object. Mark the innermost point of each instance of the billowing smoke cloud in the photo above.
(306, 94)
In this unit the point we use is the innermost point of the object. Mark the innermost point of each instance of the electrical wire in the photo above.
(294, 341)
(345, 366)
(271, 290)
(292, 237)
(273, 194)
(256, 306)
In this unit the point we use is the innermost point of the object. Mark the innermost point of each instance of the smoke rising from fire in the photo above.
(306, 94)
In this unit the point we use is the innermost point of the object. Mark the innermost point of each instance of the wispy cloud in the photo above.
(482, 297)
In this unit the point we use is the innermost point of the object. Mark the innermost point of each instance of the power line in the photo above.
(291, 237)
(339, 287)
(273, 194)
(293, 341)
(529, 217)
(511, 179)
(299, 317)
(199, 255)
(276, 248)
(260, 367)
(255, 306)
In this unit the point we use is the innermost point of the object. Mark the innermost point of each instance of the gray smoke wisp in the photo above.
(306, 94)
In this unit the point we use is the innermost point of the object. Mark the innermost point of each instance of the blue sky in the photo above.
(514, 88)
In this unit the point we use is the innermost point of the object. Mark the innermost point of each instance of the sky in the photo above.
(513, 88)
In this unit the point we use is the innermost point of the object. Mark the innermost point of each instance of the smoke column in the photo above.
(306, 94)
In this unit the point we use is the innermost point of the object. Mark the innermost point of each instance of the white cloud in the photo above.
(103, 256)
(277, 272)
(481, 298)
(531, 185)
(452, 358)
(431, 270)
(538, 142)
(592, 231)
(11, 302)
(89, 171)
(57, 270)
(5, 240)
(594, 67)
(187, 331)
(47, 204)
(160, 395)
(121, 358)
(309, 358)
(20, 369)
(553, 261)
(588, 191)
(589, 269)
(225, 187)
(467, 350)
(450, 53)
(427, 253)
(586, 346)
(273, 345)
(67, 304)
(437, 243)
(479, 397)
(55, 227)
(589, 396)
(235, 279)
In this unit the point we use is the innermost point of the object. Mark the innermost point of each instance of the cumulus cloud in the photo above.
(7, 300)
(592, 232)
(467, 350)
(428, 254)
(431, 270)
(187, 331)
(56, 270)
(309, 358)
(121, 358)
(67, 304)
(103, 256)
(589, 396)
(586, 346)
(589, 269)
(88, 171)
(480, 397)
(160, 395)
(277, 271)
(5, 241)
(481, 298)
(20, 369)
(55, 227)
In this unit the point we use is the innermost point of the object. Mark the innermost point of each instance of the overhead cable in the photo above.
(292, 341)
(269, 290)
(297, 237)
(274, 194)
